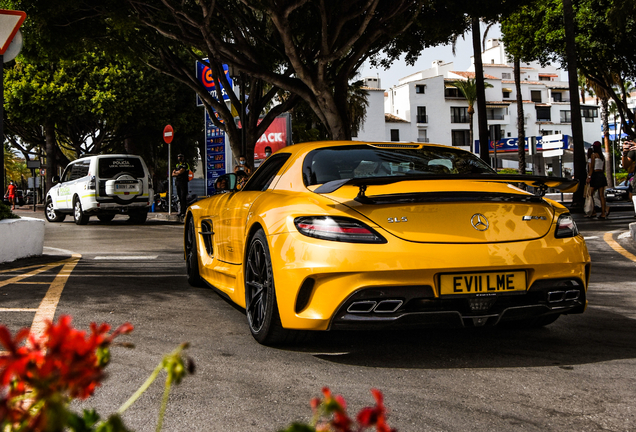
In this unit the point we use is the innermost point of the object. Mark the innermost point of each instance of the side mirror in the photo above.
(225, 183)
(55, 179)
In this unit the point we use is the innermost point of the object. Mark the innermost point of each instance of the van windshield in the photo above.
(111, 167)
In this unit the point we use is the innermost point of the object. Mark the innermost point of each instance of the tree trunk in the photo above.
(482, 120)
(521, 132)
(51, 159)
(609, 162)
(577, 126)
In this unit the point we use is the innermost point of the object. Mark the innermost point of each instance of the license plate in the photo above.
(482, 283)
(125, 186)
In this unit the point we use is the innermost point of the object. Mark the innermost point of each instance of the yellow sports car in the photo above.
(333, 235)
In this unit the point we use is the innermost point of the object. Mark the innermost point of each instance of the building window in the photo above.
(543, 114)
(395, 134)
(506, 75)
(461, 137)
(557, 97)
(459, 115)
(422, 135)
(420, 88)
(589, 114)
(421, 115)
(452, 92)
(566, 116)
(535, 95)
(506, 94)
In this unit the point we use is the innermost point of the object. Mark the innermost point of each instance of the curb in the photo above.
(165, 217)
(632, 230)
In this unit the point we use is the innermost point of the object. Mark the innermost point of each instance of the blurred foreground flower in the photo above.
(330, 415)
(40, 377)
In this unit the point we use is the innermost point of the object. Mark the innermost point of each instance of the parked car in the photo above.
(618, 192)
(335, 235)
(102, 186)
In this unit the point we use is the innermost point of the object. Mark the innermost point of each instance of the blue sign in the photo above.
(204, 75)
(512, 144)
(215, 156)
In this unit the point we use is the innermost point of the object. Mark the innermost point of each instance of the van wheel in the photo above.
(138, 217)
(51, 214)
(106, 217)
(81, 218)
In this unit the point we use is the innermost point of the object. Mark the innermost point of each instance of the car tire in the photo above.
(80, 217)
(192, 255)
(106, 217)
(260, 297)
(138, 217)
(51, 214)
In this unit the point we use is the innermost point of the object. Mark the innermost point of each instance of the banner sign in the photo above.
(512, 144)
(204, 75)
(215, 154)
(277, 136)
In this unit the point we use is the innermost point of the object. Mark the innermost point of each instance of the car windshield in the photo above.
(109, 167)
(364, 161)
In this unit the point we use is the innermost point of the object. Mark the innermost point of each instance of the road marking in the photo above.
(122, 257)
(18, 310)
(609, 239)
(46, 310)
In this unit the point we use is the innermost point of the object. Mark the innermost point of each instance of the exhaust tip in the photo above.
(361, 306)
(388, 306)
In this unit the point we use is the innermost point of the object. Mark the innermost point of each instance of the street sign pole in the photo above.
(168, 134)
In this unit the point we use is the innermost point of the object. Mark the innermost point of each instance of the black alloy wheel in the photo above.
(192, 255)
(260, 296)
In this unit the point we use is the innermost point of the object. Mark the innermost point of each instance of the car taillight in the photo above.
(91, 183)
(337, 229)
(566, 227)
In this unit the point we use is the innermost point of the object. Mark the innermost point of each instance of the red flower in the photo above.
(375, 416)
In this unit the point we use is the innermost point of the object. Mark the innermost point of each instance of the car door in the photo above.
(63, 192)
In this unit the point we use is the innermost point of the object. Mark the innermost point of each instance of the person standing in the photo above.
(629, 163)
(596, 178)
(180, 173)
(10, 195)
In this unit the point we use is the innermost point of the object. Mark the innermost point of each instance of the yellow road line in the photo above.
(46, 310)
(609, 239)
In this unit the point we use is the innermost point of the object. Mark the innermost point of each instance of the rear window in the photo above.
(365, 161)
(110, 167)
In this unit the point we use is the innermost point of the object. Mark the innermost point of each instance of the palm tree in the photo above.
(468, 87)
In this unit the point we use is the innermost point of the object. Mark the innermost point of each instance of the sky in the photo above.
(399, 69)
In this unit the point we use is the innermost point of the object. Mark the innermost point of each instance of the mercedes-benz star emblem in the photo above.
(479, 222)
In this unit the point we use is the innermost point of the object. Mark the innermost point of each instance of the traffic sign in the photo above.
(10, 22)
(168, 134)
(553, 153)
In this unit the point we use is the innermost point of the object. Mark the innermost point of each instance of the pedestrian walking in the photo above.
(592, 202)
(10, 194)
(596, 178)
(180, 173)
(629, 163)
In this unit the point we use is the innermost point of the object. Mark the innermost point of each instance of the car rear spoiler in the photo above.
(540, 183)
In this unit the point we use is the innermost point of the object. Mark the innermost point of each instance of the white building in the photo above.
(426, 107)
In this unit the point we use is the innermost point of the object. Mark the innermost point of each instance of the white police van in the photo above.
(102, 186)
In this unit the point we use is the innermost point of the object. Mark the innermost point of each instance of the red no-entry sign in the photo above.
(168, 134)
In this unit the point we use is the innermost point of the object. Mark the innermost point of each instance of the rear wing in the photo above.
(540, 183)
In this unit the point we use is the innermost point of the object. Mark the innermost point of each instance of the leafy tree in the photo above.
(468, 87)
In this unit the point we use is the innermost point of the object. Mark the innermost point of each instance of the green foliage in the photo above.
(6, 213)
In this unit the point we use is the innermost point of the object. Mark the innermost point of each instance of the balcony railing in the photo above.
(460, 119)
(495, 116)
(424, 140)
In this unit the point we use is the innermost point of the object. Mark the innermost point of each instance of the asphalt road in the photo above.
(578, 374)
